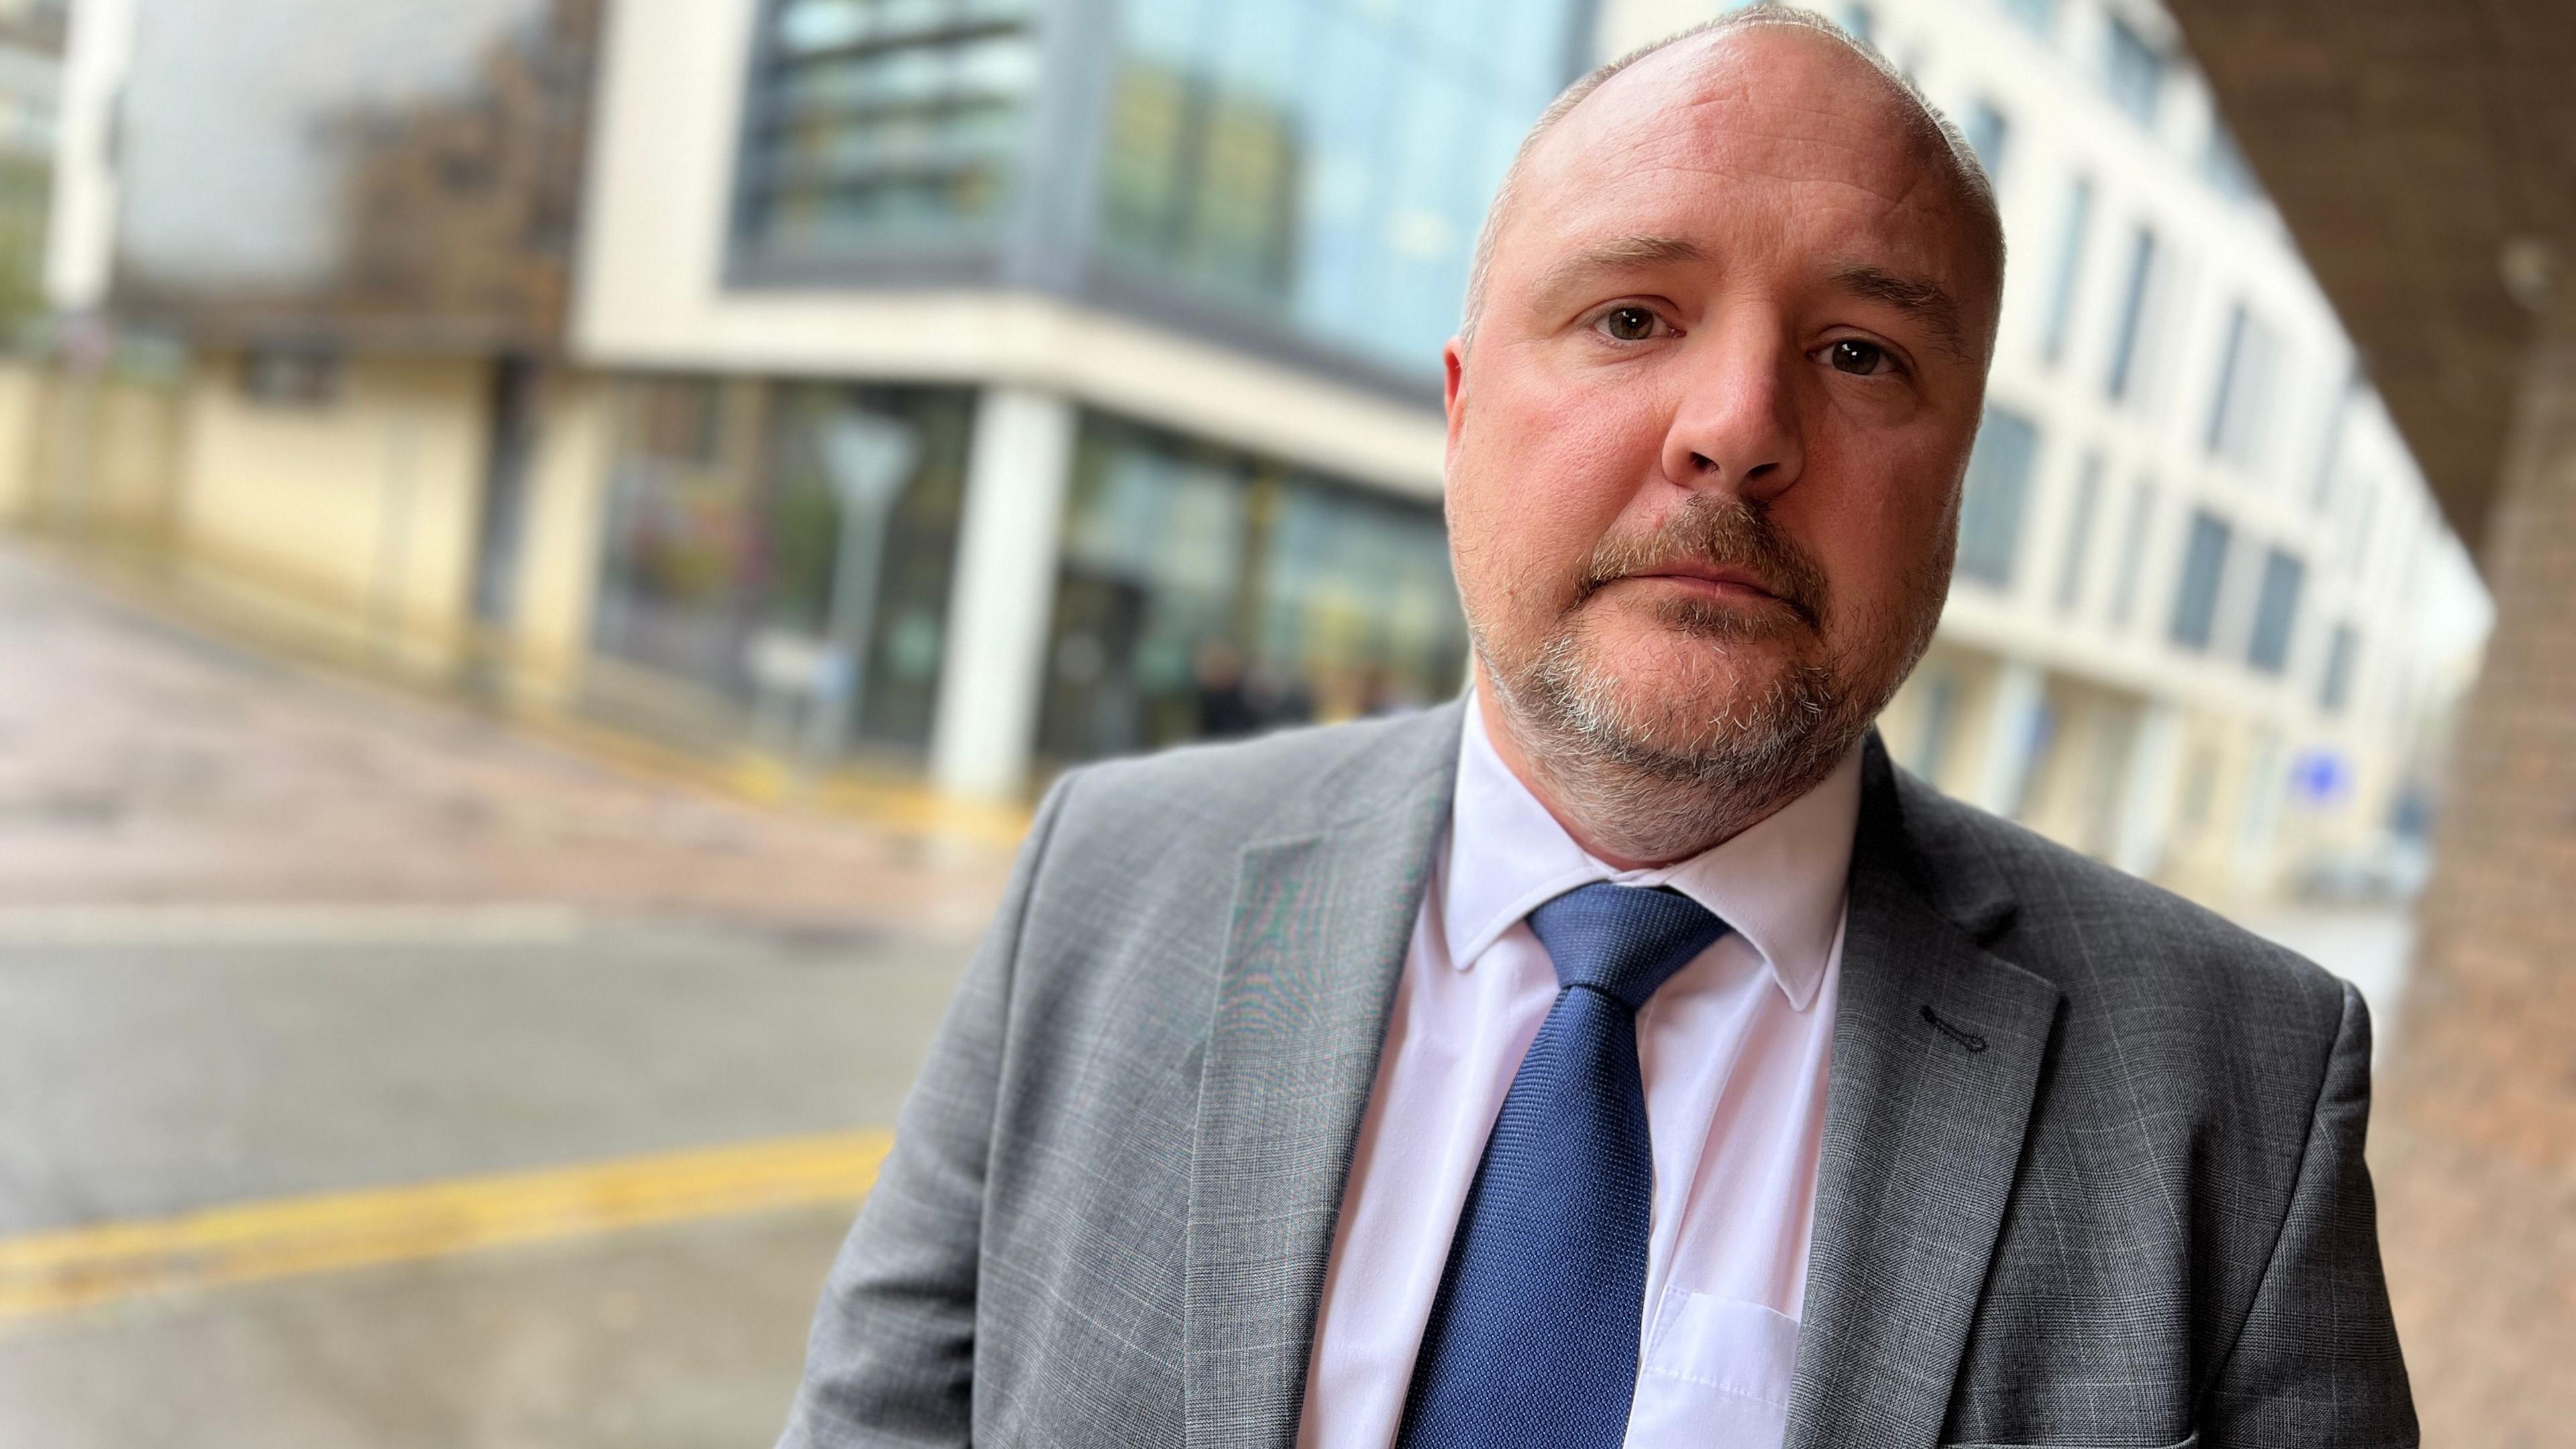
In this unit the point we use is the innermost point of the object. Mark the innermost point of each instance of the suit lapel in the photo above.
(1937, 1051)
(1323, 913)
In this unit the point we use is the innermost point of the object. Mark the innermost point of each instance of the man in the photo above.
(1626, 1052)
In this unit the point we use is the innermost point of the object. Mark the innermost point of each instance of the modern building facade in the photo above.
(1159, 291)
(974, 387)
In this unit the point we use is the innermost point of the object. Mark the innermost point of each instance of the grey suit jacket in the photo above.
(2092, 1168)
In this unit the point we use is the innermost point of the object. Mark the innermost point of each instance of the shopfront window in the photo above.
(1206, 594)
(1322, 163)
(728, 569)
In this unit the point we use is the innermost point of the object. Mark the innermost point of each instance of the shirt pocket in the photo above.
(1716, 1370)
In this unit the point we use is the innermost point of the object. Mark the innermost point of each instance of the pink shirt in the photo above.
(1734, 1050)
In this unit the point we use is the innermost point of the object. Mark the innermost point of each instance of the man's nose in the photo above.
(1735, 424)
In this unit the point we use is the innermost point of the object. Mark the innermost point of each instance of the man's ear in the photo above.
(1453, 387)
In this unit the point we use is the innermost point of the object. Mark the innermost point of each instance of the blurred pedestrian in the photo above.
(1627, 1052)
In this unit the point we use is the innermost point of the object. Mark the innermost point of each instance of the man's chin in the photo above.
(1662, 692)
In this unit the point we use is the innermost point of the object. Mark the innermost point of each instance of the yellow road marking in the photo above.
(53, 1272)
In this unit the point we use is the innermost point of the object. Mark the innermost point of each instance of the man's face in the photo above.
(1705, 446)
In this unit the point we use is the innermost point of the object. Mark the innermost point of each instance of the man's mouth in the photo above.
(1730, 582)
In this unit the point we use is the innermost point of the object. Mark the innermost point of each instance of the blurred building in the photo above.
(31, 47)
(1154, 293)
(978, 386)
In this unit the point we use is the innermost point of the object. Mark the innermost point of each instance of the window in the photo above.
(2079, 535)
(886, 123)
(2276, 612)
(2070, 269)
(1988, 134)
(1204, 592)
(1998, 490)
(2334, 691)
(2240, 410)
(2039, 17)
(1320, 165)
(2321, 495)
(721, 555)
(2204, 566)
(290, 376)
(2133, 72)
(2224, 166)
(2133, 554)
(2125, 347)
(1940, 716)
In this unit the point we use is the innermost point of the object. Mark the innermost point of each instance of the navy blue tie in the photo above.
(1533, 1337)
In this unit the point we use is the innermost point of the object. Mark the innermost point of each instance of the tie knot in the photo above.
(1623, 940)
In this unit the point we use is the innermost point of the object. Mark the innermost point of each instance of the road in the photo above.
(571, 1075)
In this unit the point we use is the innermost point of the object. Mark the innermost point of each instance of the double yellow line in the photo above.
(53, 1272)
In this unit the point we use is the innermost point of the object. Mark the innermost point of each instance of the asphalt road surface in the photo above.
(374, 1074)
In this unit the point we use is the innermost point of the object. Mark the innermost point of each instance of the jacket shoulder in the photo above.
(2100, 933)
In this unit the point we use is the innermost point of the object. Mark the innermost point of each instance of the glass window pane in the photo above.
(2204, 567)
(2276, 612)
(887, 122)
(1998, 492)
(1323, 164)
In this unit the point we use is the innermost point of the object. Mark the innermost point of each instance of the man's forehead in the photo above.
(1667, 145)
(1775, 97)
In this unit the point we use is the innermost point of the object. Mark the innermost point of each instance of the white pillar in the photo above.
(2147, 792)
(999, 602)
(80, 244)
(2012, 727)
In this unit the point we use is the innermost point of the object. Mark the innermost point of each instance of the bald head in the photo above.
(1866, 81)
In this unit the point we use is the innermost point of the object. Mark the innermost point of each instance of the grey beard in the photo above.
(1654, 794)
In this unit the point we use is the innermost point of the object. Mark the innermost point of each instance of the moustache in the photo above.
(1715, 534)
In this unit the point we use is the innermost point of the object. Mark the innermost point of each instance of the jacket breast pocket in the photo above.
(1716, 1371)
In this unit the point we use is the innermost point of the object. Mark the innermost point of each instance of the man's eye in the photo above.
(1858, 358)
(1629, 324)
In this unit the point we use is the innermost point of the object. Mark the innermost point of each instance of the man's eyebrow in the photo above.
(1618, 254)
(1920, 297)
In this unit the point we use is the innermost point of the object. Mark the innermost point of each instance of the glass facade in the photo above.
(2204, 568)
(2132, 71)
(2276, 612)
(2240, 410)
(1322, 164)
(885, 124)
(723, 566)
(1989, 135)
(2071, 236)
(2334, 690)
(2123, 378)
(1998, 494)
(1203, 593)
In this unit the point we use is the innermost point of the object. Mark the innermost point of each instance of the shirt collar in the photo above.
(1780, 884)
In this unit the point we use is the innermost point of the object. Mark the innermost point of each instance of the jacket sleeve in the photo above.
(2316, 1362)
(891, 1360)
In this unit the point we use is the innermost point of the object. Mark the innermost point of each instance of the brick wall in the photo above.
(2475, 1145)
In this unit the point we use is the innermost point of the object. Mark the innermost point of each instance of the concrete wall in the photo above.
(567, 504)
(354, 516)
(22, 400)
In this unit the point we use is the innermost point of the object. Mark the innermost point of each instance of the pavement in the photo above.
(375, 1073)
